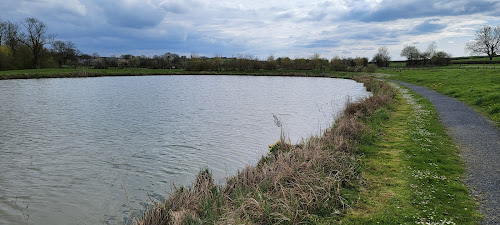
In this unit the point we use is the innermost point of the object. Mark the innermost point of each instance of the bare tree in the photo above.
(431, 49)
(3, 26)
(65, 52)
(11, 35)
(487, 41)
(382, 58)
(411, 53)
(35, 38)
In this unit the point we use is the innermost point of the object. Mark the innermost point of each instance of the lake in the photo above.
(96, 150)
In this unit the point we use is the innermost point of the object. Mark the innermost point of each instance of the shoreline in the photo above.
(84, 73)
(303, 182)
(249, 196)
(371, 166)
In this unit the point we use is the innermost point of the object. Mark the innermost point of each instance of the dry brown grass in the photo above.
(299, 183)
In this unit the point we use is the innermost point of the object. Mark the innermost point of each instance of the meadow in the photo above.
(87, 72)
(479, 88)
(474, 59)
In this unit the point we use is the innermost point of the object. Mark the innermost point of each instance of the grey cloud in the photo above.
(284, 15)
(363, 36)
(323, 43)
(133, 15)
(175, 7)
(389, 10)
(427, 26)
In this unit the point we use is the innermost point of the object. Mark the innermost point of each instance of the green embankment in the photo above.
(393, 165)
(479, 88)
(381, 163)
(412, 171)
(85, 72)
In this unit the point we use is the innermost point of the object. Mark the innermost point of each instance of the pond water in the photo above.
(96, 150)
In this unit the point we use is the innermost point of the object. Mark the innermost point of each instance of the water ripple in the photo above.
(95, 150)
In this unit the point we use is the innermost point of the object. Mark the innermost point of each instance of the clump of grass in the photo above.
(304, 183)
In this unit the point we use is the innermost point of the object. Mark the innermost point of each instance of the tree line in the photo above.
(23, 45)
(487, 41)
(430, 57)
(248, 62)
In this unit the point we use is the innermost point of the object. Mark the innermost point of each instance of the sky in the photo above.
(259, 28)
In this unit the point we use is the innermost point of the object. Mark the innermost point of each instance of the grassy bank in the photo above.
(412, 171)
(479, 88)
(313, 182)
(84, 72)
(387, 160)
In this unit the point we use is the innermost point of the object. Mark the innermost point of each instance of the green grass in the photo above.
(397, 64)
(85, 72)
(479, 88)
(474, 66)
(476, 58)
(412, 170)
(82, 72)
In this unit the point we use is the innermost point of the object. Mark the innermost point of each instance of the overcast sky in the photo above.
(347, 28)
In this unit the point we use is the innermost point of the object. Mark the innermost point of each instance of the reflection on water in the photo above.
(94, 150)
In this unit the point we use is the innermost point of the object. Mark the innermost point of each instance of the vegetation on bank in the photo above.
(479, 88)
(312, 182)
(411, 169)
(387, 159)
(85, 72)
(384, 161)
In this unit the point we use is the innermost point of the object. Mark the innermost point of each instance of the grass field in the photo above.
(81, 72)
(476, 58)
(479, 88)
(85, 72)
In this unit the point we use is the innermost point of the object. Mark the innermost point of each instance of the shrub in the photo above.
(370, 68)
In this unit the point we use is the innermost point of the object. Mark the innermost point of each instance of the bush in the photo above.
(441, 59)
(370, 68)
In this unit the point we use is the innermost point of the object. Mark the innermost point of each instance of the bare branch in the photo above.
(487, 41)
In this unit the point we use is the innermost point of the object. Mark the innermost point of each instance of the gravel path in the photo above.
(479, 141)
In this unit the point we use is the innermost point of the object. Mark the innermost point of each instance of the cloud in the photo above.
(285, 15)
(132, 13)
(323, 43)
(389, 10)
(363, 36)
(257, 27)
(346, 52)
(428, 26)
(176, 7)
